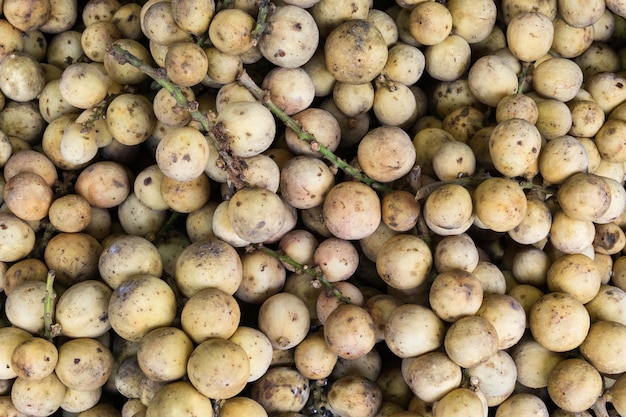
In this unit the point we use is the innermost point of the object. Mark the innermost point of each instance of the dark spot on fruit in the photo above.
(76, 361)
(147, 181)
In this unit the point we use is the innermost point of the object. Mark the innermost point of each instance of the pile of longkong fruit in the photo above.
(332, 208)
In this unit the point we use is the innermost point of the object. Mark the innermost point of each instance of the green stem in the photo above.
(202, 39)
(48, 233)
(224, 4)
(424, 231)
(157, 237)
(100, 109)
(521, 79)
(263, 96)
(315, 273)
(50, 330)
(180, 298)
(233, 165)
(265, 9)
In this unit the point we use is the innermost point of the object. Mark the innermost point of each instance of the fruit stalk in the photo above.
(233, 165)
(265, 9)
(263, 96)
(100, 110)
(599, 407)
(50, 330)
(305, 269)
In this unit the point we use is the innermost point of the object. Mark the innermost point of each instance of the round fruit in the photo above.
(355, 52)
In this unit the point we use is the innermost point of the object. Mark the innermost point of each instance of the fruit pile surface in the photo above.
(303, 208)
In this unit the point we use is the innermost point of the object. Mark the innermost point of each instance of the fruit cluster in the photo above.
(334, 208)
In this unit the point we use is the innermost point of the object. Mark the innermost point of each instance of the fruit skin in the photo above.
(500, 204)
(354, 396)
(281, 389)
(218, 379)
(181, 399)
(355, 52)
(352, 210)
(140, 304)
(284, 318)
(559, 322)
(583, 382)
(296, 26)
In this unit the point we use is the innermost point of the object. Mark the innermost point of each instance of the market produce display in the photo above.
(330, 208)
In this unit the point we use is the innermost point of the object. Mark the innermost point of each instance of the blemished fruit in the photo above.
(312, 208)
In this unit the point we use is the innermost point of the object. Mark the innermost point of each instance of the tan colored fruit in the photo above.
(386, 153)
(355, 41)
(349, 331)
(297, 27)
(179, 398)
(285, 319)
(529, 35)
(210, 313)
(559, 322)
(354, 396)
(352, 210)
(470, 341)
(140, 304)
(415, 255)
(84, 363)
(583, 382)
(281, 390)
(218, 379)
(500, 204)
(432, 375)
